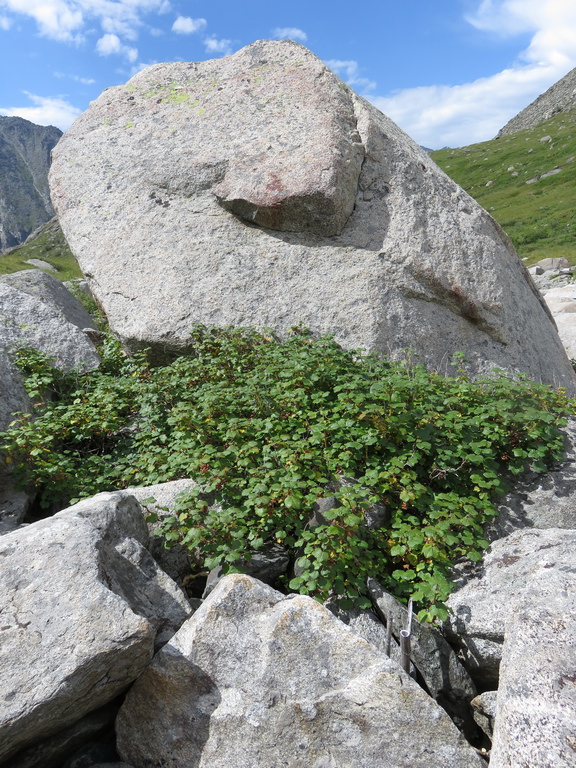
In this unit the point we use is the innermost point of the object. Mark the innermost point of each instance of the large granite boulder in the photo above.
(259, 190)
(83, 605)
(256, 678)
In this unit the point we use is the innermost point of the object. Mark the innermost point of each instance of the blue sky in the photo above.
(449, 72)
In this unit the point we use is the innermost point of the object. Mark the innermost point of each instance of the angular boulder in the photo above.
(269, 194)
(258, 678)
(536, 702)
(517, 569)
(82, 604)
(175, 561)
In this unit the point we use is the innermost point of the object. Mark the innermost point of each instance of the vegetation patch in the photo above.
(508, 177)
(267, 427)
(46, 244)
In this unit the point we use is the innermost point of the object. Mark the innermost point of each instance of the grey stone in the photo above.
(553, 172)
(13, 505)
(111, 765)
(444, 676)
(52, 293)
(481, 610)
(37, 311)
(266, 564)
(484, 711)
(175, 561)
(559, 298)
(53, 751)
(553, 263)
(256, 678)
(41, 264)
(82, 604)
(366, 625)
(417, 263)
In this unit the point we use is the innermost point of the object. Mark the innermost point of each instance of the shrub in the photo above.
(265, 426)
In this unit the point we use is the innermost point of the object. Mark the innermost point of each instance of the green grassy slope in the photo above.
(47, 244)
(539, 217)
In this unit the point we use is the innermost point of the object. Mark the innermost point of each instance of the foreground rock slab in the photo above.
(270, 194)
(81, 606)
(513, 570)
(258, 678)
(536, 703)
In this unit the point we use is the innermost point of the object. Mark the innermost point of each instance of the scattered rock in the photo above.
(35, 311)
(553, 172)
(211, 205)
(560, 301)
(267, 564)
(13, 505)
(555, 263)
(41, 264)
(83, 603)
(258, 678)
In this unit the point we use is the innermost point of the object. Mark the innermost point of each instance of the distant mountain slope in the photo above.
(561, 97)
(527, 181)
(24, 162)
(46, 248)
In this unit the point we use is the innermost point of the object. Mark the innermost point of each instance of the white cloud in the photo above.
(292, 33)
(444, 115)
(66, 20)
(213, 45)
(350, 72)
(184, 25)
(110, 44)
(47, 111)
(5, 23)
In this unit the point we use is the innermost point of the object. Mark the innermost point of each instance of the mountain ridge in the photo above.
(560, 97)
(24, 162)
